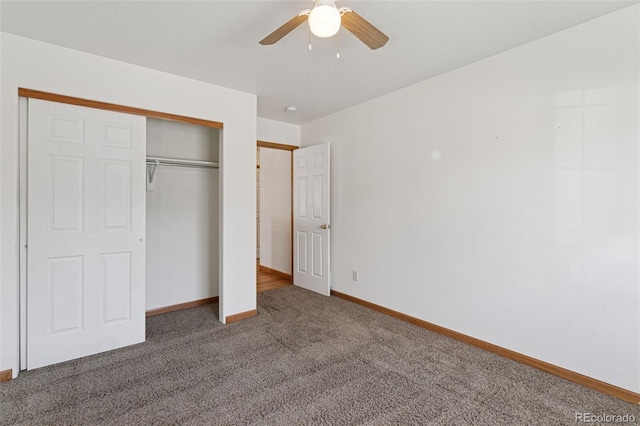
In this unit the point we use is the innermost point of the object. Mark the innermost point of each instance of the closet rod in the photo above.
(158, 161)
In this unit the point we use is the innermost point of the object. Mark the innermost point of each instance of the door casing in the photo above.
(291, 148)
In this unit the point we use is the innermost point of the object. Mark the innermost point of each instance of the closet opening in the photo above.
(182, 215)
(94, 203)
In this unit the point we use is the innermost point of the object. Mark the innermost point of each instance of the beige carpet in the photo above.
(305, 359)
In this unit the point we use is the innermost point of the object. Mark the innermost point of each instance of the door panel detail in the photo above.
(66, 193)
(116, 282)
(116, 194)
(316, 256)
(65, 129)
(302, 252)
(117, 135)
(65, 293)
(317, 197)
(302, 196)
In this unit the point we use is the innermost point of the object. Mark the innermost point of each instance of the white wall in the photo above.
(40, 66)
(3, 294)
(275, 209)
(278, 132)
(501, 200)
(186, 141)
(182, 216)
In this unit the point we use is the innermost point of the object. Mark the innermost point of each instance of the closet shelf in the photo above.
(162, 161)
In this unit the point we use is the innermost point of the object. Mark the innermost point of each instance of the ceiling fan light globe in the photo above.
(324, 20)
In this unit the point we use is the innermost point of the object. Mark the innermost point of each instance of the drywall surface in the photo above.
(278, 132)
(275, 209)
(40, 66)
(12, 293)
(182, 216)
(501, 200)
(174, 139)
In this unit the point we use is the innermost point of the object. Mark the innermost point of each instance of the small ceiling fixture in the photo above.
(325, 20)
(290, 109)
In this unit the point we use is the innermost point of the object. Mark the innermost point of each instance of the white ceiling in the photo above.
(217, 42)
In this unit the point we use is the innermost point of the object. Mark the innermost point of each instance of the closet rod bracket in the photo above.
(151, 170)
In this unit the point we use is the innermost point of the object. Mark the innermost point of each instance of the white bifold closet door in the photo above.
(86, 224)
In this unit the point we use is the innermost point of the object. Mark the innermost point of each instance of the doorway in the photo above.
(274, 215)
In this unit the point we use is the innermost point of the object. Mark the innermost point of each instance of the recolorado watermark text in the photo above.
(604, 418)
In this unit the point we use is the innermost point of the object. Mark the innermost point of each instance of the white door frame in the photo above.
(23, 133)
(23, 96)
(291, 149)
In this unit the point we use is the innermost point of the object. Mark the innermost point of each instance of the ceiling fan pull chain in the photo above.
(338, 44)
(309, 38)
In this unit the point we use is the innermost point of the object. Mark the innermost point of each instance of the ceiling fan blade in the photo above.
(363, 29)
(285, 28)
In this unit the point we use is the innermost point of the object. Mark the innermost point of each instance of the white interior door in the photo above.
(311, 226)
(86, 223)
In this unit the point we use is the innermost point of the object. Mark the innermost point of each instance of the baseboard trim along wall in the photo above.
(180, 306)
(624, 394)
(6, 375)
(241, 316)
(275, 272)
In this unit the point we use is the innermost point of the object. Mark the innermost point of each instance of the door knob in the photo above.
(325, 226)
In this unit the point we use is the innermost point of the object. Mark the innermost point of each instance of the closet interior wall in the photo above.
(182, 261)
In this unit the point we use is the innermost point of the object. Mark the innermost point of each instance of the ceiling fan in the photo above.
(325, 20)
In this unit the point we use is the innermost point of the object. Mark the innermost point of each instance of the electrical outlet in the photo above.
(354, 275)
